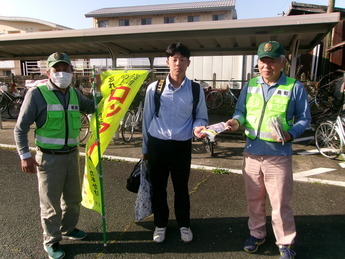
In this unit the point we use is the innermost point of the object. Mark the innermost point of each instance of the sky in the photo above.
(71, 13)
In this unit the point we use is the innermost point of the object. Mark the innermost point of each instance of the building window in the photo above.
(102, 24)
(193, 18)
(217, 17)
(169, 19)
(124, 22)
(145, 21)
(6, 72)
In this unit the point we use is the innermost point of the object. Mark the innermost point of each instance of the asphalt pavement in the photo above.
(218, 213)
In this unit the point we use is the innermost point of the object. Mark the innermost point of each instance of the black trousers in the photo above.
(170, 157)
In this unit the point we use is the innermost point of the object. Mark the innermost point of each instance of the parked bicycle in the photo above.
(229, 99)
(330, 137)
(217, 98)
(214, 99)
(328, 94)
(209, 144)
(132, 121)
(11, 103)
(330, 134)
(85, 127)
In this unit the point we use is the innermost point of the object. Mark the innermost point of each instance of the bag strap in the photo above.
(159, 89)
(196, 95)
(157, 97)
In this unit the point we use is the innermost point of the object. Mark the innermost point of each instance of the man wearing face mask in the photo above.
(55, 109)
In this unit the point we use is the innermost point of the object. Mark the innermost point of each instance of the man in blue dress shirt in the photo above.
(167, 141)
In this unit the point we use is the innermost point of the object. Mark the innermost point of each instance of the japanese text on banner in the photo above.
(118, 90)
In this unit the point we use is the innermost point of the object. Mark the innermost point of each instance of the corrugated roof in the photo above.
(224, 37)
(163, 8)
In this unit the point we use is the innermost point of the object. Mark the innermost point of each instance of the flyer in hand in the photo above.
(276, 126)
(214, 129)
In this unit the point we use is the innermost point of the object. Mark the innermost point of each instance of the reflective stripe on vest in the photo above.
(54, 107)
(259, 112)
(59, 130)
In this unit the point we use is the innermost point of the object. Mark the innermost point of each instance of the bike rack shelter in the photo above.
(298, 34)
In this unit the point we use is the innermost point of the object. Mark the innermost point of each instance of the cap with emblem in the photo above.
(271, 49)
(58, 57)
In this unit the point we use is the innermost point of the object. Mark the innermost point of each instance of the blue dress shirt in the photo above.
(174, 120)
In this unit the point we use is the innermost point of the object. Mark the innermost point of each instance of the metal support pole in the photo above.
(1, 121)
(294, 55)
(328, 42)
(152, 76)
(99, 165)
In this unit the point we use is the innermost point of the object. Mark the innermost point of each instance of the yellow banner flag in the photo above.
(118, 90)
(91, 188)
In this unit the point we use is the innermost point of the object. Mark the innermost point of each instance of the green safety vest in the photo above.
(259, 112)
(62, 127)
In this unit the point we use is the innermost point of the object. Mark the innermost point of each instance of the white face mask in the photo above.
(61, 79)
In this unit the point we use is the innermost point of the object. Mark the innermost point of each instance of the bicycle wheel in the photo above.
(3, 103)
(14, 106)
(85, 127)
(209, 145)
(127, 128)
(139, 124)
(228, 102)
(214, 99)
(327, 140)
(330, 94)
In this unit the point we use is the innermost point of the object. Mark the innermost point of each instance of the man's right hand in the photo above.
(29, 165)
(232, 125)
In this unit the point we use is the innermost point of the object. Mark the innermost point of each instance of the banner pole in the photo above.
(99, 166)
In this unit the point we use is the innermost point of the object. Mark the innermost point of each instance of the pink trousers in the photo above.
(271, 175)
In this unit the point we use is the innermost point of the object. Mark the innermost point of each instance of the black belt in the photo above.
(57, 152)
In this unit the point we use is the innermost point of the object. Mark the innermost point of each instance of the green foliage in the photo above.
(220, 171)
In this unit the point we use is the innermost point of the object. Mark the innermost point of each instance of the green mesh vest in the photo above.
(62, 127)
(259, 112)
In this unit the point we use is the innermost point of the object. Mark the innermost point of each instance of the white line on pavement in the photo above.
(301, 176)
(314, 171)
(309, 152)
(315, 180)
(210, 168)
(303, 139)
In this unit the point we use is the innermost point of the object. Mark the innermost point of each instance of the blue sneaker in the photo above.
(286, 252)
(76, 234)
(252, 244)
(54, 251)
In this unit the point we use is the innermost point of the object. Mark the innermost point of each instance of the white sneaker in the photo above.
(159, 235)
(186, 235)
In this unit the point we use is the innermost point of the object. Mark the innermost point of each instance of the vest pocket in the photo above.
(76, 120)
(54, 120)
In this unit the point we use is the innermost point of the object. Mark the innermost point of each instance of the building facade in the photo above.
(220, 69)
(164, 13)
(16, 25)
